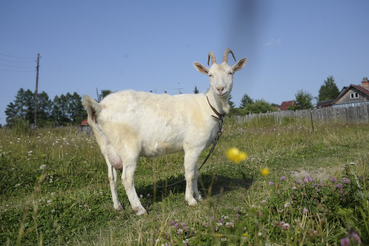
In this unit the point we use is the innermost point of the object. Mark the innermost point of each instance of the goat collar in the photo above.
(219, 115)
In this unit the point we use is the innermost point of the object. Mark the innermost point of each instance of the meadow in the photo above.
(54, 189)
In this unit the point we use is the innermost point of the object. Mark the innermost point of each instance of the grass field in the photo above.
(54, 190)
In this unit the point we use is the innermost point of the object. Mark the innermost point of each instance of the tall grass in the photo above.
(54, 189)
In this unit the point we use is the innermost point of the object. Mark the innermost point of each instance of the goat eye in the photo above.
(210, 75)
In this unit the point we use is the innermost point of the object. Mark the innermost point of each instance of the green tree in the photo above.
(44, 109)
(63, 110)
(76, 112)
(196, 91)
(11, 113)
(60, 110)
(230, 102)
(303, 100)
(22, 108)
(259, 106)
(103, 94)
(328, 90)
(245, 101)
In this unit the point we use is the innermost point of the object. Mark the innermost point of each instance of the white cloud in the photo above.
(274, 42)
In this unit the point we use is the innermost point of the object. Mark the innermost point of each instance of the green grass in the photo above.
(54, 189)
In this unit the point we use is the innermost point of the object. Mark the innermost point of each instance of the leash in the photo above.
(220, 118)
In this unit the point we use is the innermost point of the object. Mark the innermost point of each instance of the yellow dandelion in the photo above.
(265, 171)
(236, 155)
(219, 235)
(245, 235)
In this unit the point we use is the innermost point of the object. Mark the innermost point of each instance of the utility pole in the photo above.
(36, 92)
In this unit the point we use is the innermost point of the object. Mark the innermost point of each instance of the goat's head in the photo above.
(221, 75)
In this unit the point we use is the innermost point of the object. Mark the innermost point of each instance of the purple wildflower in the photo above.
(183, 224)
(176, 226)
(283, 178)
(305, 210)
(356, 237)
(270, 183)
(339, 186)
(334, 179)
(345, 180)
(345, 241)
(172, 222)
(284, 225)
(307, 179)
(299, 181)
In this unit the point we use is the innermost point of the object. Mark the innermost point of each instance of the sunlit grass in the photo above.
(54, 189)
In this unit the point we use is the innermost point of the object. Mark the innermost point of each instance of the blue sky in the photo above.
(151, 45)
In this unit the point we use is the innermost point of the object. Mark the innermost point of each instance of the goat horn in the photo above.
(225, 56)
(213, 60)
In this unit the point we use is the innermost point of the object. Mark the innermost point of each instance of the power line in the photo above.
(16, 57)
(17, 71)
(13, 66)
(15, 61)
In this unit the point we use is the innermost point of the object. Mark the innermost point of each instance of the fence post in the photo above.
(312, 121)
(366, 116)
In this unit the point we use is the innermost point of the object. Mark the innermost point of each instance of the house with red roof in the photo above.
(353, 95)
(286, 104)
(84, 122)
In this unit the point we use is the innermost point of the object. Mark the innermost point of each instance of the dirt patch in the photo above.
(320, 173)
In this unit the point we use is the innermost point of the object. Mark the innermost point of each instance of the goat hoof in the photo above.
(192, 203)
(140, 211)
(118, 208)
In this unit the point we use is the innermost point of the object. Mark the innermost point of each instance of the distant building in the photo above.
(286, 104)
(324, 104)
(84, 127)
(84, 123)
(353, 95)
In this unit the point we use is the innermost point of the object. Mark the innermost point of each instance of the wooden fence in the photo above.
(357, 114)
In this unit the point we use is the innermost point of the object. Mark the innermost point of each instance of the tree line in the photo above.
(63, 110)
(67, 109)
(304, 100)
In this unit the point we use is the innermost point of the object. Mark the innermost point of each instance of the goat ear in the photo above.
(239, 65)
(201, 68)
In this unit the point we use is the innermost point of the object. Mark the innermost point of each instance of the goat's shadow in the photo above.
(209, 185)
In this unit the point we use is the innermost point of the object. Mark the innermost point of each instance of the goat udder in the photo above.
(118, 167)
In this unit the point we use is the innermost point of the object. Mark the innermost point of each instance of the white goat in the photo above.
(129, 124)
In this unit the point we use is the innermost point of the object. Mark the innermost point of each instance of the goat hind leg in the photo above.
(128, 182)
(112, 174)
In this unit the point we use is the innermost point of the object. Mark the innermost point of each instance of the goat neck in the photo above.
(220, 104)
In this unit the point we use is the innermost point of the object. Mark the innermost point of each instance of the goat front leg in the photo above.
(191, 175)
(195, 183)
(128, 183)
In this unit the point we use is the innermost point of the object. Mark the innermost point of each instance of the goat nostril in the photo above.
(221, 89)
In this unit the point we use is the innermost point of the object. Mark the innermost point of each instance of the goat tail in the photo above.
(92, 108)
